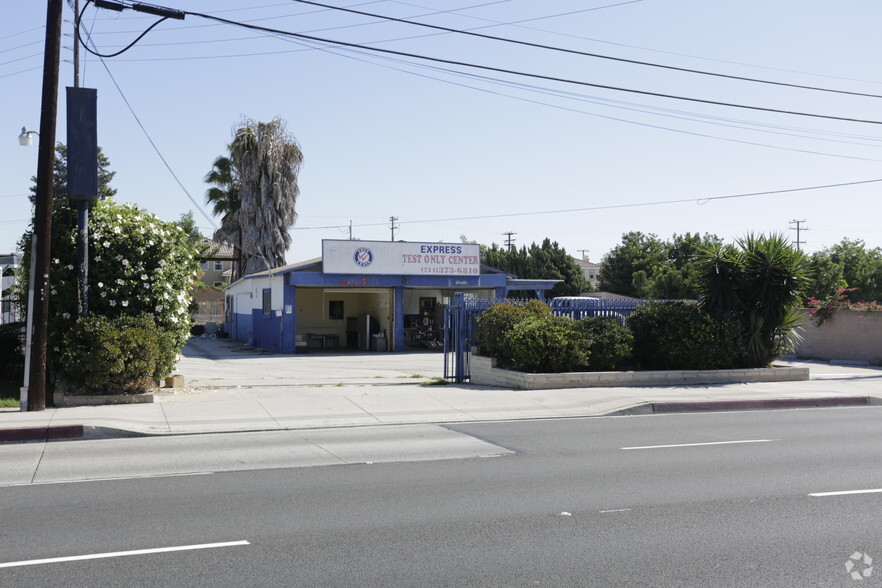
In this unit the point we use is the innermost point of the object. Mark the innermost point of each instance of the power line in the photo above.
(156, 149)
(491, 68)
(583, 53)
(699, 201)
(531, 75)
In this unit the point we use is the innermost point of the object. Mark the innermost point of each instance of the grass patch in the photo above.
(437, 381)
(9, 394)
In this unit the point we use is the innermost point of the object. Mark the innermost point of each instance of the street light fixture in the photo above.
(25, 139)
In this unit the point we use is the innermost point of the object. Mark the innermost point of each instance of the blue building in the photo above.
(369, 295)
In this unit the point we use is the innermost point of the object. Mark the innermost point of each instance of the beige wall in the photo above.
(312, 310)
(848, 335)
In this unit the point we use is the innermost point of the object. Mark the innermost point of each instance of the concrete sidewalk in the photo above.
(231, 388)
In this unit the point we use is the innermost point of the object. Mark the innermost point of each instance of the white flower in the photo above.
(54, 292)
(120, 281)
(70, 267)
(106, 243)
(144, 277)
(104, 295)
(125, 262)
(125, 302)
(174, 319)
(66, 315)
(97, 258)
(117, 230)
(113, 303)
(100, 284)
(158, 308)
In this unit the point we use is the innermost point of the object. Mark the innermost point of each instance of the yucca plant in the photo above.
(760, 282)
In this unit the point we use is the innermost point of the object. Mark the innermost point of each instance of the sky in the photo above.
(454, 151)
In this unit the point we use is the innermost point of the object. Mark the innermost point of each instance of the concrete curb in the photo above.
(752, 404)
(47, 433)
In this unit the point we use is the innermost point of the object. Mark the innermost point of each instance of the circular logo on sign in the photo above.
(363, 256)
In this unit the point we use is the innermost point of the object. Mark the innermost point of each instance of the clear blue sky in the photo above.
(399, 137)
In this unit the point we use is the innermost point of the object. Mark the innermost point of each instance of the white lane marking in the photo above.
(703, 444)
(35, 562)
(846, 492)
(615, 510)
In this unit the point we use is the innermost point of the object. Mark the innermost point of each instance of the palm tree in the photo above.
(225, 201)
(267, 160)
(760, 282)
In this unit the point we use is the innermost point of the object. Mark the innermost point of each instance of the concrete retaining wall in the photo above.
(848, 335)
(484, 372)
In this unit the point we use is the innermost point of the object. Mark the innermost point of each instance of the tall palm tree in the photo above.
(267, 160)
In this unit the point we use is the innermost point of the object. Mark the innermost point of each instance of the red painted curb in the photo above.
(42, 433)
(710, 405)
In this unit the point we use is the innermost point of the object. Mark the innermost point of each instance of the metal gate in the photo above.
(461, 322)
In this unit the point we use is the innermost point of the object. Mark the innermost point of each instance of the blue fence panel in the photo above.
(461, 322)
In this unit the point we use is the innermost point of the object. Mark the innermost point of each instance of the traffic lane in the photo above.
(781, 542)
(601, 434)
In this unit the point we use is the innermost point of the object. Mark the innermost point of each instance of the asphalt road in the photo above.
(736, 499)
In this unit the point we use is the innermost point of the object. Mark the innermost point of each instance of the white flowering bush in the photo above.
(139, 266)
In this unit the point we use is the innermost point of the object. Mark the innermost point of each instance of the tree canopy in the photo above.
(548, 261)
(848, 264)
(644, 266)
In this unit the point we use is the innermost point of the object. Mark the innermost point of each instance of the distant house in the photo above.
(217, 270)
(589, 270)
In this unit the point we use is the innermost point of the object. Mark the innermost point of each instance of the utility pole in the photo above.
(350, 230)
(583, 252)
(798, 229)
(43, 205)
(509, 242)
(392, 220)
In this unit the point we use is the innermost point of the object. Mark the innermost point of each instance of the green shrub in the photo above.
(549, 345)
(610, 344)
(679, 336)
(11, 351)
(496, 323)
(122, 355)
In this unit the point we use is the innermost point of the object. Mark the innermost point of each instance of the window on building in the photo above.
(335, 310)
(218, 266)
(267, 301)
(218, 284)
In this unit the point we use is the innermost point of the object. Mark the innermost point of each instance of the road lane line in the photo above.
(846, 492)
(35, 562)
(615, 510)
(703, 444)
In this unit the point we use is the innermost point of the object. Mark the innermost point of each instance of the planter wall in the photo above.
(484, 372)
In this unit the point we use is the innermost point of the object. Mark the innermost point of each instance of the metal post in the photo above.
(83, 255)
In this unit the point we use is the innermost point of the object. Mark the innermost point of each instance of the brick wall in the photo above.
(848, 335)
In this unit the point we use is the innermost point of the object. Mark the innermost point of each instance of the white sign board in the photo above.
(401, 258)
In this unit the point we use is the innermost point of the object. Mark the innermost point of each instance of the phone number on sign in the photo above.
(460, 271)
